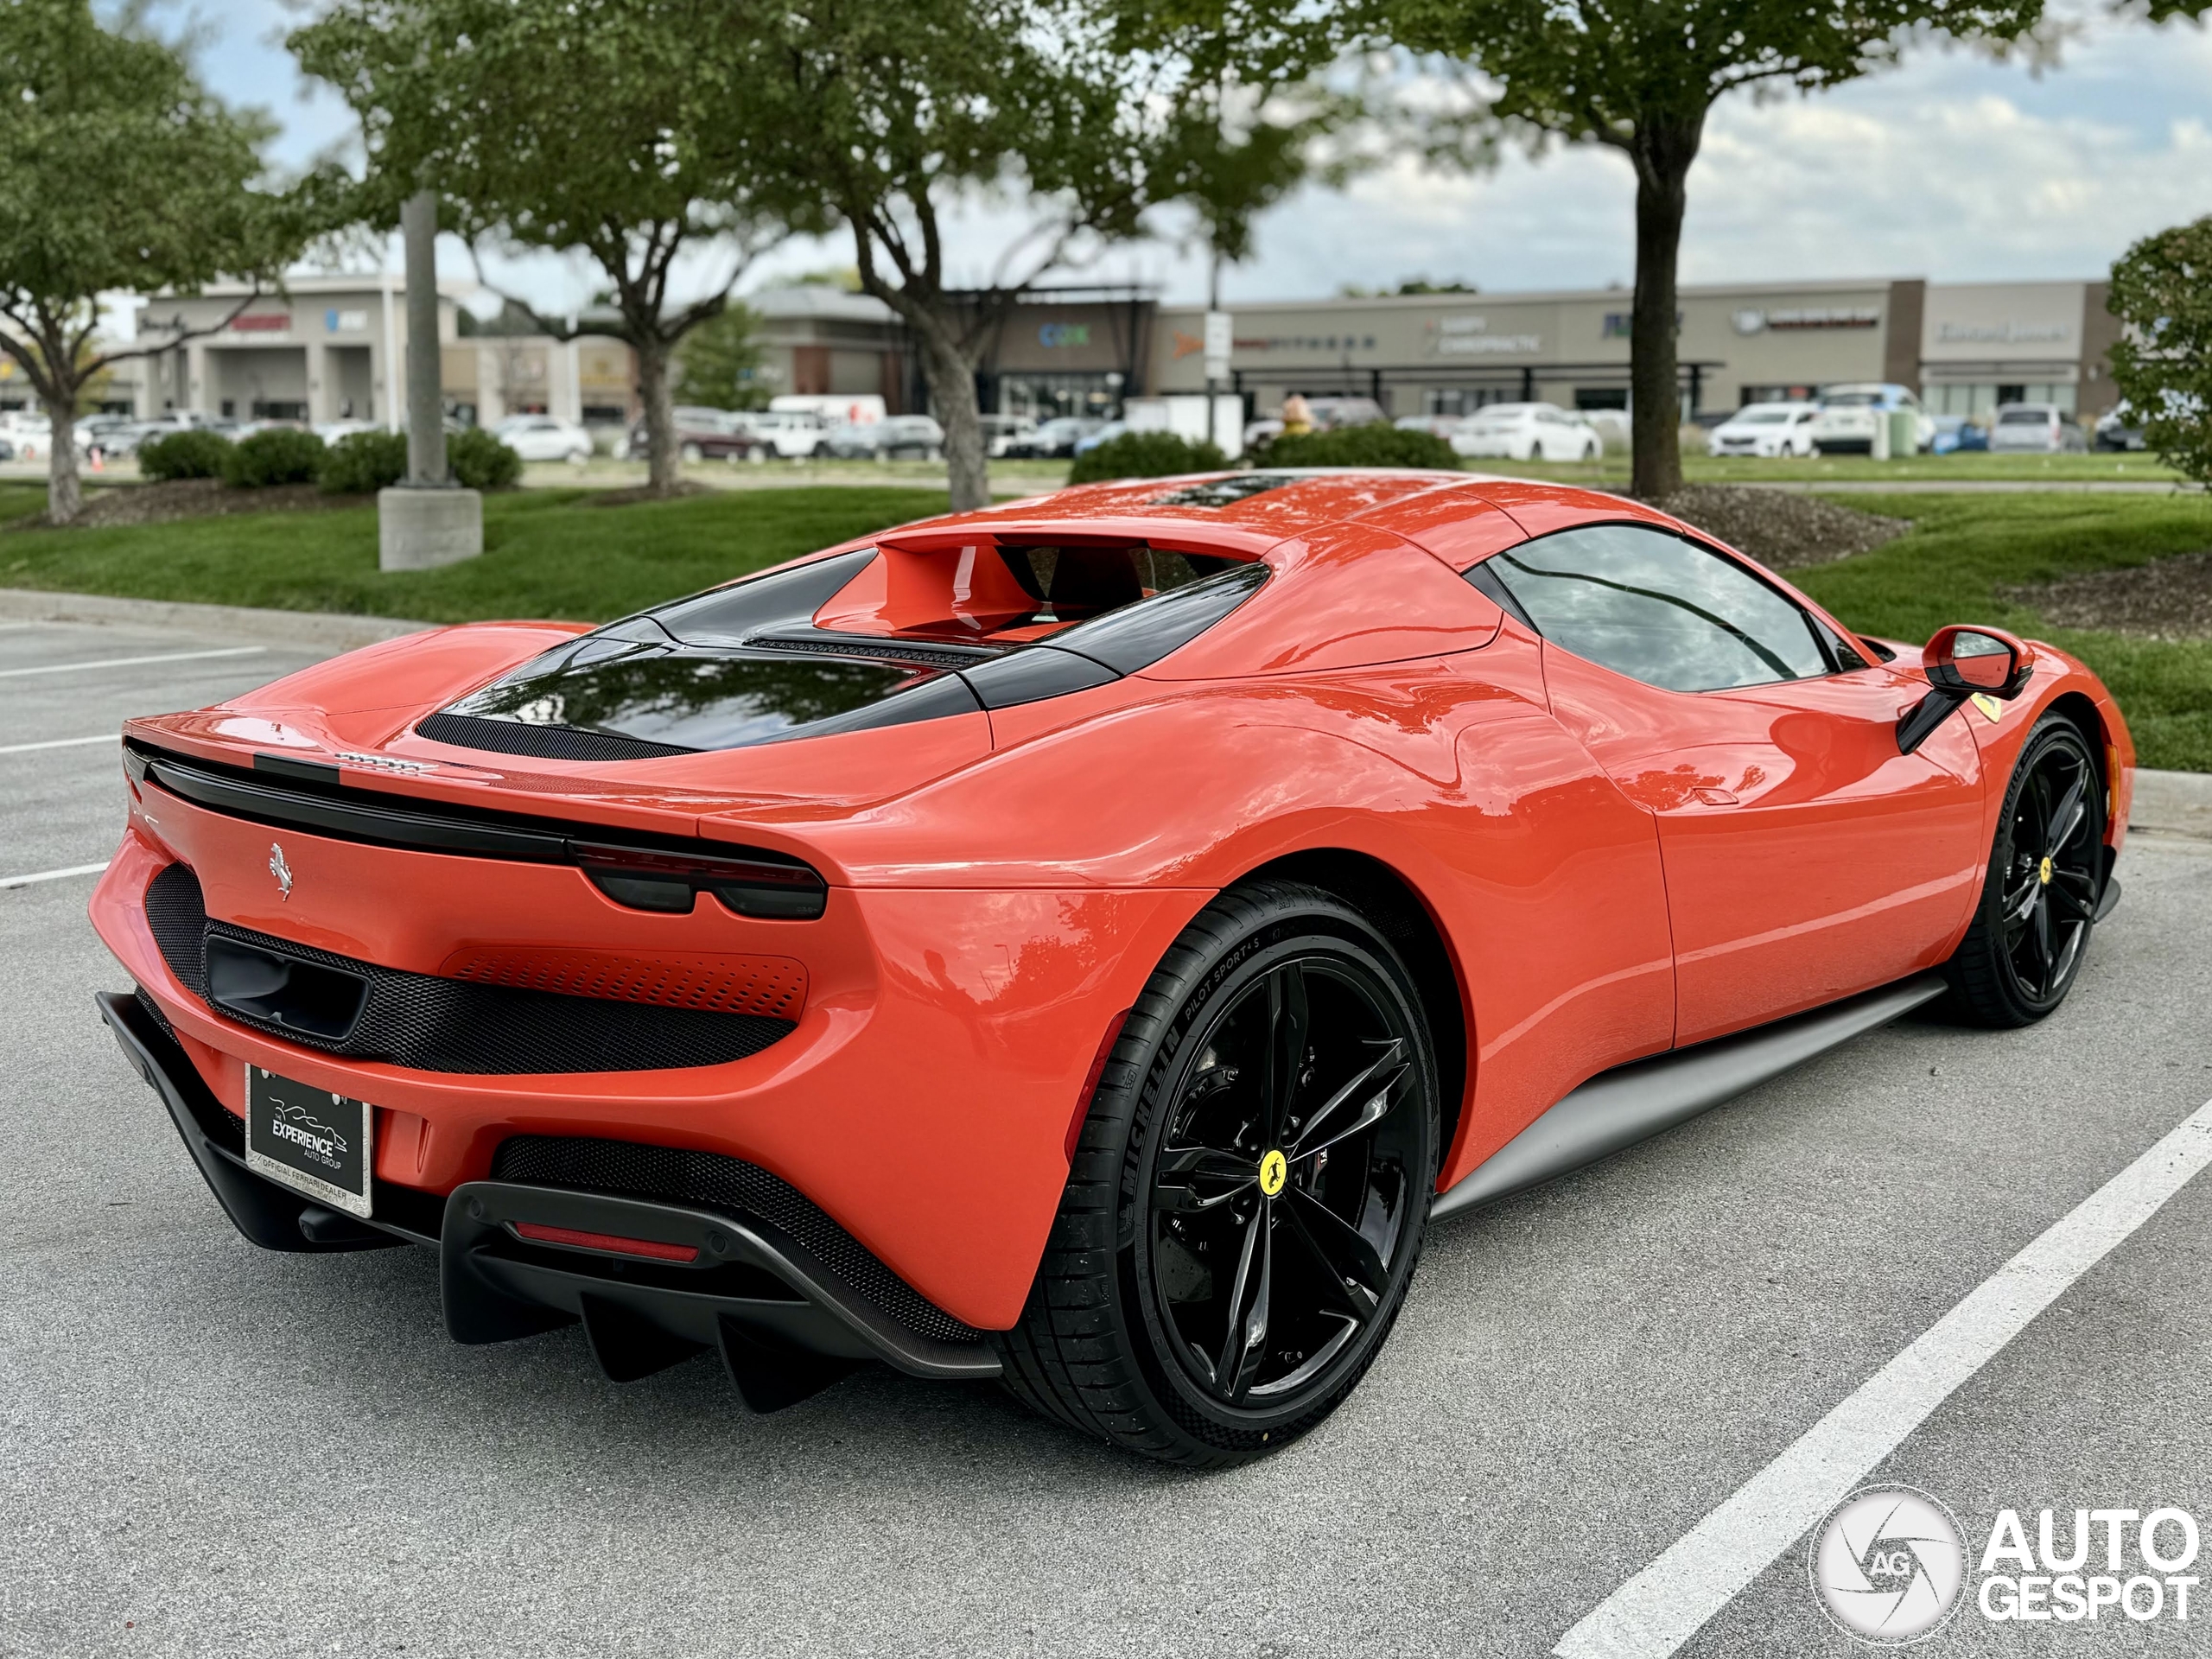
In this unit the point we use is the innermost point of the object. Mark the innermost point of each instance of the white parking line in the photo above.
(52, 875)
(1662, 1606)
(62, 743)
(131, 662)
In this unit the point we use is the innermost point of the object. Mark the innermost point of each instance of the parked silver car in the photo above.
(898, 436)
(2037, 428)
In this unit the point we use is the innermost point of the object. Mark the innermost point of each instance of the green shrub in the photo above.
(480, 461)
(1357, 445)
(281, 455)
(361, 463)
(184, 454)
(1146, 455)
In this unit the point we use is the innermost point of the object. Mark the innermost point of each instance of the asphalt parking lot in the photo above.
(206, 1449)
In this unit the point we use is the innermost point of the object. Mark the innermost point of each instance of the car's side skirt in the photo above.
(1616, 1109)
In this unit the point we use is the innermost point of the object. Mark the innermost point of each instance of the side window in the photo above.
(1659, 609)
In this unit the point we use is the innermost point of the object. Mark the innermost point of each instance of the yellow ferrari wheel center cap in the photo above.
(1274, 1170)
(2043, 874)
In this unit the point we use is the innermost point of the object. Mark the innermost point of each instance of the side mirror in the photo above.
(1963, 662)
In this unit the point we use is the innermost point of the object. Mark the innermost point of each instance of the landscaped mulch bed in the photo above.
(1782, 529)
(188, 498)
(2167, 599)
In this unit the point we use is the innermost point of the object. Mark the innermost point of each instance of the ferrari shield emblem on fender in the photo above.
(1990, 707)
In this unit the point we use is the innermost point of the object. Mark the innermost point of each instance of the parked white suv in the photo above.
(791, 434)
(1845, 424)
(1768, 430)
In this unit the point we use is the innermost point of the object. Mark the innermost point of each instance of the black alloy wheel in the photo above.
(2038, 904)
(1249, 1193)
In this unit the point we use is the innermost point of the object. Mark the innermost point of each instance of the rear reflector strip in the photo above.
(607, 1242)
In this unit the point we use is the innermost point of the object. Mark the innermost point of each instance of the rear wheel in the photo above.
(691, 453)
(1249, 1193)
(2039, 903)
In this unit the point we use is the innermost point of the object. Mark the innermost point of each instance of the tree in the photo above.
(2161, 291)
(577, 126)
(117, 170)
(890, 113)
(719, 364)
(1640, 78)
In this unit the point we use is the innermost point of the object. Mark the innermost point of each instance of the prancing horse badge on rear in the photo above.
(280, 869)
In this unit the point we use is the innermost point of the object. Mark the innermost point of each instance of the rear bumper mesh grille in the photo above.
(710, 1181)
(428, 1023)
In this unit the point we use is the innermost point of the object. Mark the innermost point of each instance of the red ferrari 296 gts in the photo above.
(1083, 943)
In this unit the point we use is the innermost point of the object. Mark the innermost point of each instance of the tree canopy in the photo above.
(2161, 291)
(118, 171)
(591, 127)
(893, 112)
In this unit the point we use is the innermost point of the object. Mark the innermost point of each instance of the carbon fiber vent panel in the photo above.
(177, 915)
(710, 1181)
(543, 742)
(431, 1024)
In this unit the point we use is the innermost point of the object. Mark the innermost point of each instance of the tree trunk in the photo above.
(1663, 153)
(661, 460)
(951, 379)
(65, 494)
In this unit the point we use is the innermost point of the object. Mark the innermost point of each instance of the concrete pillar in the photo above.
(427, 520)
(198, 394)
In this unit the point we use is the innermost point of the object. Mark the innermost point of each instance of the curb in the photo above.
(327, 629)
(2171, 804)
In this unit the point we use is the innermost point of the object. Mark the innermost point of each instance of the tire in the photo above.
(1129, 1332)
(690, 455)
(2032, 923)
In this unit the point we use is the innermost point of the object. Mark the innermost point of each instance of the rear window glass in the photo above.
(2023, 417)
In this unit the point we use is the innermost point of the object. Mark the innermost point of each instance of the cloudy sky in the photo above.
(1952, 167)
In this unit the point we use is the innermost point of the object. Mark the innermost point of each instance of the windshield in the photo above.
(1762, 418)
(2024, 417)
(1852, 399)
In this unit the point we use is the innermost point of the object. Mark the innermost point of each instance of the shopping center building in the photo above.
(326, 349)
(1967, 347)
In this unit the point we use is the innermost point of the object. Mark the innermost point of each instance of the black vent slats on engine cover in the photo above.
(431, 1024)
(711, 1180)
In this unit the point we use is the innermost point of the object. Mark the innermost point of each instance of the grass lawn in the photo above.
(547, 553)
(552, 553)
(1963, 549)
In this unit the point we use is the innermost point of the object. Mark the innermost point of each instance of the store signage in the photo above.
(262, 323)
(1056, 336)
(345, 322)
(2000, 334)
(1305, 343)
(1751, 320)
(1467, 335)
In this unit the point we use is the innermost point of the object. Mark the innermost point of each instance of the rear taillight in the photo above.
(650, 880)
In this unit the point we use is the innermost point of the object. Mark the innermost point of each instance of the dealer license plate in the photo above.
(314, 1141)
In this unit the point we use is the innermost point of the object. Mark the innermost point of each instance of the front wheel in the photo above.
(2038, 908)
(1249, 1192)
